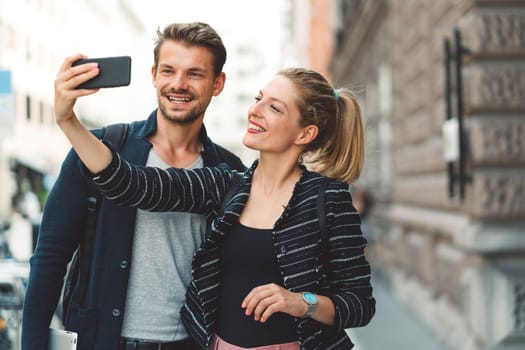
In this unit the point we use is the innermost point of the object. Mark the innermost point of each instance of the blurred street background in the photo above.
(442, 87)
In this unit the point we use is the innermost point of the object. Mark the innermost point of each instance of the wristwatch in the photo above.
(311, 300)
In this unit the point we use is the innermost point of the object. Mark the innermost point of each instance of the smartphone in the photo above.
(113, 72)
(62, 340)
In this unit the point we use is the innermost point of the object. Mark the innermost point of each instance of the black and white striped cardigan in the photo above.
(296, 236)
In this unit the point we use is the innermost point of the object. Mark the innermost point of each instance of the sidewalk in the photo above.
(393, 326)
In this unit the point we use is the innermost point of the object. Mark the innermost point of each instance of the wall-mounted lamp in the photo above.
(455, 147)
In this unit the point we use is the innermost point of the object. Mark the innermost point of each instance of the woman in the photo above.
(264, 278)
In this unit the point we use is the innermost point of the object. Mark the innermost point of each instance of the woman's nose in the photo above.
(256, 109)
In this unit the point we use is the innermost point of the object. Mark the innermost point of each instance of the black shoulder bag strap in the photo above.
(116, 134)
(321, 213)
(236, 183)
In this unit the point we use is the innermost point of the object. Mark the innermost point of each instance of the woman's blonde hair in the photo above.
(338, 149)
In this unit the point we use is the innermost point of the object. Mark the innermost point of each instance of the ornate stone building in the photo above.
(448, 227)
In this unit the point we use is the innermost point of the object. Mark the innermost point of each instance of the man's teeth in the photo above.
(178, 99)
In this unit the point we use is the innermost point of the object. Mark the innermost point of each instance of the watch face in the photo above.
(310, 298)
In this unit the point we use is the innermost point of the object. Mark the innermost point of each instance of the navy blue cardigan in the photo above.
(296, 236)
(99, 322)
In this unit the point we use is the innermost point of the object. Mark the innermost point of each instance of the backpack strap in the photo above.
(116, 134)
(321, 214)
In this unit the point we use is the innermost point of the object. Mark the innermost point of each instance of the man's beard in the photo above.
(186, 119)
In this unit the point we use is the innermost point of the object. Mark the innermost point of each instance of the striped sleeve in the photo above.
(198, 190)
(349, 271)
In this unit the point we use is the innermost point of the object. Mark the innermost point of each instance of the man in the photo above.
(141, 262)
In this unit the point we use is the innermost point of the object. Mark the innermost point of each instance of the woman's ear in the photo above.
(308, 134)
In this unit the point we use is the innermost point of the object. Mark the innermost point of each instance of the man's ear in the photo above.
(308, 134)
(218, 84)
(154, 75)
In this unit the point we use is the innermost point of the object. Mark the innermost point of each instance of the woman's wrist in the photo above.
(303, 306)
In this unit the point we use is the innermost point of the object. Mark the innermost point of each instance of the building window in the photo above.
(41, 112)
(28, 49)
(338, 12)
(28, 108)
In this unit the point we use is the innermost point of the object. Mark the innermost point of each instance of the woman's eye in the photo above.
(257, 98)
(275, 108)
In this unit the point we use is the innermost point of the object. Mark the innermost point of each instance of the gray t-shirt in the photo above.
(163, 249)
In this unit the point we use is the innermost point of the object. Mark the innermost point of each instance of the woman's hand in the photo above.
(263, 301)
(69, 77)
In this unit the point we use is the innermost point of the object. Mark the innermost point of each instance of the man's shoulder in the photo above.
(140, 127)
(224, 151)
(137, 124)
(126, 133)
(228, 157)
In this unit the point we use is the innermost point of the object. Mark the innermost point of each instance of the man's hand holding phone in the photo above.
(81, 76)
(67, 79)
(113, 72)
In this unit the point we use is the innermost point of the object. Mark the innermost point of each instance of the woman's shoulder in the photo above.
(314, 185)
(312, 177)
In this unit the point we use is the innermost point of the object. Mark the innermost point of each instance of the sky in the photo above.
(256, 21)
(229, 17)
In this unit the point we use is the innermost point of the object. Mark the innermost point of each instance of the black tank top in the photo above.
(248, 261)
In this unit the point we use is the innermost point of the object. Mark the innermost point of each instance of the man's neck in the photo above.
(177, 145)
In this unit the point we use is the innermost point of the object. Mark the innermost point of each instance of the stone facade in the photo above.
(458, 262)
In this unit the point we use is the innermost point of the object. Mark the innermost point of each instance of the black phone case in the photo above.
(113, 72)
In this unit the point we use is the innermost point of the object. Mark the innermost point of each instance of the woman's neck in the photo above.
(276, 173)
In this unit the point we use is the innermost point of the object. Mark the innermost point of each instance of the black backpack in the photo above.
(75, 282)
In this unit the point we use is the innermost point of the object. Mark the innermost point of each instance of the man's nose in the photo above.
(178, 82)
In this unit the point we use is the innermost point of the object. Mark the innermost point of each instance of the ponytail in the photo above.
(342, 154)
(338, 150)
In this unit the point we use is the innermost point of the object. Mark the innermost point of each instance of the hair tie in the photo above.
(336, 94)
